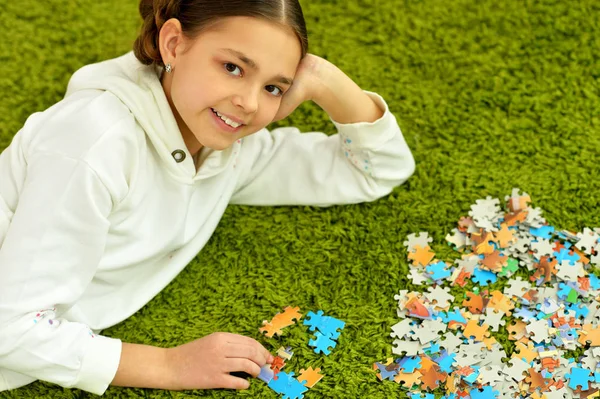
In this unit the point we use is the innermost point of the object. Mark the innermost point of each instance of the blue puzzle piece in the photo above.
(594, 282)
(438, 271)
(579, 377)
(543, 232)
(485, 393)
(410, 364)
(564, 254)
(446, 363)
(287, 385)
(563, 290)
(386, 374)
(473, 376)
(327, 325)
(453, 316)
(280, 384)
(432, 348)
(581, 310)
(419, 396)
(484, 277)
(523, 313)
(266, 373)
(322, 343)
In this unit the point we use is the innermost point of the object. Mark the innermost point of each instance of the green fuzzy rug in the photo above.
(490, 95)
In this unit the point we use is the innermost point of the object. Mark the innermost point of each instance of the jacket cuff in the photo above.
(100, 364)
(370, 135)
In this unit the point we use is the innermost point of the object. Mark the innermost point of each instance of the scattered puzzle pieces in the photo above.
(329, 329)
(550, 310)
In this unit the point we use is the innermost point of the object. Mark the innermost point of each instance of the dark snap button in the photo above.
(178, 155)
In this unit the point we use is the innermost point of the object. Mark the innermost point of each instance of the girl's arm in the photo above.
(143, 366)
(49, 255)
(363, 162)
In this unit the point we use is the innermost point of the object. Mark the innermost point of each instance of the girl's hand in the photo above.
(331, 89)
(206, 362)
(307, 85)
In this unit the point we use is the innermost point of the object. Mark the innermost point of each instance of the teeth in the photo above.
(227, 120)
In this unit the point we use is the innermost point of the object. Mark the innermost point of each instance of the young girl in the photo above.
(107, 195)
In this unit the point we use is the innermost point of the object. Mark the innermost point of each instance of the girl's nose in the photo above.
(248, 101)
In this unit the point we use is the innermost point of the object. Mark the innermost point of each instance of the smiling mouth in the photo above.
(226, 124)
(226, 120)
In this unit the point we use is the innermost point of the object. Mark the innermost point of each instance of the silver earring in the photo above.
(168, 68)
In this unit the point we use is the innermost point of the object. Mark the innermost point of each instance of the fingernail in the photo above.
(270, 359)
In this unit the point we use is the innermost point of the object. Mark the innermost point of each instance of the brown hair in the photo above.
(197, 15)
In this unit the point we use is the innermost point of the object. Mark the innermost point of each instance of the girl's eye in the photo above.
(271, 87)
(231, 68)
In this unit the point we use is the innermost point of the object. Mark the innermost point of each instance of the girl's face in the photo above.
(238, 68)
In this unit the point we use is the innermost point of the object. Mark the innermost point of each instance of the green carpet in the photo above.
(490, 96)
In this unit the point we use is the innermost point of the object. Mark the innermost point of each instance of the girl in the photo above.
(107, 195)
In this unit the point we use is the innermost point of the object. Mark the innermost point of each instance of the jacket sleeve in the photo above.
(50, 253)
(363, 162)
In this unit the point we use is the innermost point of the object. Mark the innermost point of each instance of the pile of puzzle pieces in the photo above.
(325, 340)
(553, 310)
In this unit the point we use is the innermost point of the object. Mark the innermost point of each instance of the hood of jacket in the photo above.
(138, 86)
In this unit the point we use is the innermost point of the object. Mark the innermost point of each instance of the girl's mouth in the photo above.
(223, 125)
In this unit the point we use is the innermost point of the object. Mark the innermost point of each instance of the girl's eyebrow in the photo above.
(244, 58)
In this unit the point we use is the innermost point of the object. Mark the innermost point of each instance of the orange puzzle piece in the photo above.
(589, 334)
(473, 329)
(280, 321)
(310, 376)
(421, 256)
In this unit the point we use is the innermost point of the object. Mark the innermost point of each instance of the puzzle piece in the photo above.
(310, 377)
(438, 270)
(266, 373)
(327, 325)
(383, 374)
(408, 380)
(579, 377)
(276, 365)
(285, 353)
(458, 239)
(421, 240)
(474, 303)
(484, 277)
(421, 256)
(441, 297)
(280, 321)
(322, 343)
(288, 386)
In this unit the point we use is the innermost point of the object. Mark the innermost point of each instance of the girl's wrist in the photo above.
(343, 100)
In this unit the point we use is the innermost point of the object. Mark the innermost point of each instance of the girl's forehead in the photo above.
(261, 42)
(248, 31)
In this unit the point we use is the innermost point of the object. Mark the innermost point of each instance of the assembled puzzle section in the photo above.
(555, 310)
(329, 330)
(327, 334)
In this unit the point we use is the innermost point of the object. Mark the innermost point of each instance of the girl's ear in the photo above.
(170, 40)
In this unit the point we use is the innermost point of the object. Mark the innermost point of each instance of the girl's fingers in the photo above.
(250, 352)
(230, 382)
(241, 364)
(258, 353)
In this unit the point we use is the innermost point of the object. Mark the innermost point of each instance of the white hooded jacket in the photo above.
(97, 216)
